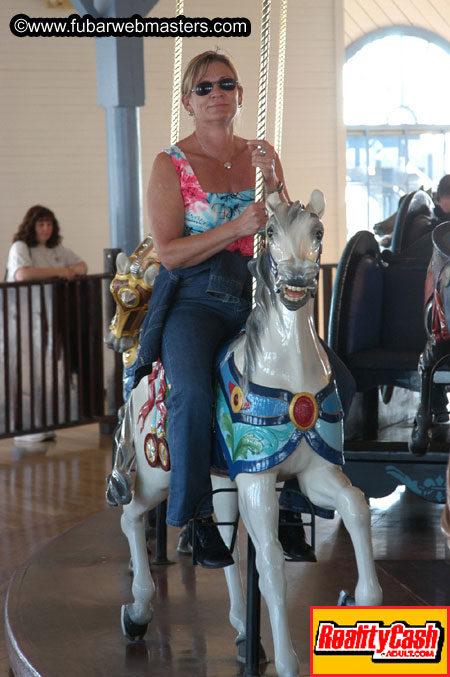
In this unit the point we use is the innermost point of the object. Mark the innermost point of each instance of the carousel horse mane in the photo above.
(282, 218)
(258, 318)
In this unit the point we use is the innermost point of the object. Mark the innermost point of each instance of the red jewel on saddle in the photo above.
(236, 398)
(304, 411)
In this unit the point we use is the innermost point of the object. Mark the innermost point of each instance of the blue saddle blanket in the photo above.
(264, 430)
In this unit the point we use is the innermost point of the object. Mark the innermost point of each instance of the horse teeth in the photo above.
(298, 291)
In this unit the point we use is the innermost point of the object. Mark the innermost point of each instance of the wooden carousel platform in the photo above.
(63, 605)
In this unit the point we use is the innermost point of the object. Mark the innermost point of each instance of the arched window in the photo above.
(397, 114)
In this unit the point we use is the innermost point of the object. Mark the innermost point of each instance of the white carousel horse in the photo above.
(279, 358)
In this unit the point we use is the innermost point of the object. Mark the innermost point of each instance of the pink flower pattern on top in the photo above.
(194, 197)
(205, 211)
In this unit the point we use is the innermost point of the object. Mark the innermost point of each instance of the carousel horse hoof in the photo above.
(118, 491)
(291, 535)
(241, 644)
(345, 599)
(133, 631)
(183, 541)
(208, 548)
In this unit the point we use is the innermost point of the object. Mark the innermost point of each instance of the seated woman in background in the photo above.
(37, 252)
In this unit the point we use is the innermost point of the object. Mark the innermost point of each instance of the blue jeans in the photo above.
(196, 325)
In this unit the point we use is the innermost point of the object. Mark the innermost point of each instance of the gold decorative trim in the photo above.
(236, 398)
(151, 449)
(129, 356)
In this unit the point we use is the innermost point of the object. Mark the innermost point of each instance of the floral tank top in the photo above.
(204, 211)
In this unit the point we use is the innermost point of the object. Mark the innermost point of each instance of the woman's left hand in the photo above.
(263, 157)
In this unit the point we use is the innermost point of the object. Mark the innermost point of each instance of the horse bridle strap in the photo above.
(273, 267)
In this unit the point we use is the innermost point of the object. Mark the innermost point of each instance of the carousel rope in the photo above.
(279, 97)
(262, 110)
(176, 84)
(263, 88)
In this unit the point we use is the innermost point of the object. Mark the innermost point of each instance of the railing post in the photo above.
(114, 397)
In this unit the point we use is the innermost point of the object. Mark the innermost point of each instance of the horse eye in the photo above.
(319, 235)
(270, 232)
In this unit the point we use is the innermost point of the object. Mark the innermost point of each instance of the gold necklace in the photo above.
(226, 164)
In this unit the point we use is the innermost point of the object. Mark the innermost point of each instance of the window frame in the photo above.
(407, 130)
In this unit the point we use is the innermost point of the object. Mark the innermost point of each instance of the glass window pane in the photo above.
(397, 80)
(356, 207)
(356, 158)
(387, 159)
(447, 153)
(383, 201)
(425, 160)
(394, 83)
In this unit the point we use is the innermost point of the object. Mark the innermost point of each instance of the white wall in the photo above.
(53, 145)
(52, 135)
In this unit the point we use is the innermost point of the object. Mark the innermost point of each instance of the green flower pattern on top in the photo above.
(247, 442)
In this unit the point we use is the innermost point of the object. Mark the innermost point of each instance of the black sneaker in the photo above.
(291, 535)
(209, 550)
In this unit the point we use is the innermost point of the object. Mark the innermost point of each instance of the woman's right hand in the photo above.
(252, 219)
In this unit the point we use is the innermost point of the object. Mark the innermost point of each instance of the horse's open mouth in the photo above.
(294, 297)
(294, 293)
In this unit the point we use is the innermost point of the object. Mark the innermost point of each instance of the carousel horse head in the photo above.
(294, 236)
(286, 271)
(290, 262)
(131, 289)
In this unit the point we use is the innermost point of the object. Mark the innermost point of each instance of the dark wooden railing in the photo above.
(57, 371)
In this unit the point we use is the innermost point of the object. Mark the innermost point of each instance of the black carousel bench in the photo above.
(377, 328)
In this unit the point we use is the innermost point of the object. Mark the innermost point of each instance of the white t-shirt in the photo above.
(21, 256)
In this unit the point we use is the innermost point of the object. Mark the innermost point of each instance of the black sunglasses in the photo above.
(206, 87)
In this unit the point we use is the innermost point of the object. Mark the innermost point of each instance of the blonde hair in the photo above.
(199, 64)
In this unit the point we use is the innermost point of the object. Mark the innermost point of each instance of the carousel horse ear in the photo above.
(272, 201)
(316, 203)
(122, 263)
(150, 274)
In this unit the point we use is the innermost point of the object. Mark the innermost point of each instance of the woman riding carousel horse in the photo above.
(203, 216)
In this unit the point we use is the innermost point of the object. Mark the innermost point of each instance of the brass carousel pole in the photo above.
(161, 510)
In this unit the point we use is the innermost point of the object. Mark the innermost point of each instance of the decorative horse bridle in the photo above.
(273, 265)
